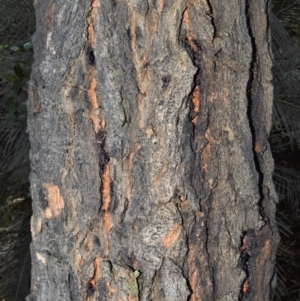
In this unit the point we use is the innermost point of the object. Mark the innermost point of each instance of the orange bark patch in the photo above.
(189, 36)
(172, 236)
(183, 200)
(141, 108)
(192, 44)
(186, 16)
(107, 221)
(260, 147)
(97, 271)
(103, 122)
(206, 157)
(55, 201)
(196, 102)
(193, 282)
(95, 3)
(132, 298)
(160, 6)
(93, 81)
(196, 99)
(244, 245)
(153, 30)
(162, 171)
(89, 242)
(193, 274)
(94, 102)
(111, 290)
(246, 286)
(96, 276)
(91, 27)
(106, 188)
(92, 94)
(267, 250)
(105, 191)
(91, 31)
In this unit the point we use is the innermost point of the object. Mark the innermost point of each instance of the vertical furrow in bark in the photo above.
(219, 127)
(145, 80)
(143, 179)
(196, 36)
(260, 95)
(65, 182)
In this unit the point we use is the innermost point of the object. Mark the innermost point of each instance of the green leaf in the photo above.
(3, 46)
(10, 105)
(27, 46)
(17, 85)
(10, 118)
(136, 273)
(23, 119)
(23, 108)
(18, 71)
(14, 48)
(27, 71)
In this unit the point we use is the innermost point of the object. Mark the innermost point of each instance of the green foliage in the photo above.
(17, 21)
(15, 238)
(17, 24)
(288, 12)
(14, 151)
(285, 135)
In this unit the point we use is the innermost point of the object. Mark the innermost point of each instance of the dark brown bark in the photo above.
(151, 169)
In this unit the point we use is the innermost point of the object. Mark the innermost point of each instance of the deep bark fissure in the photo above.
(70, 287)
(211, 16)
(268, 9)
(91, 56)
(245, 293)
(250, 105)
(252, 240)
(194, 50)
(245, 252)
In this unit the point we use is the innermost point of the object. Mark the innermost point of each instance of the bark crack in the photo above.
(212, 17)
(92, 285)
(247, 249)
(250, 106)
(249, 237)
(268, 10)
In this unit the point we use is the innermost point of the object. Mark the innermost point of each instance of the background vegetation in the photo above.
(17, 24)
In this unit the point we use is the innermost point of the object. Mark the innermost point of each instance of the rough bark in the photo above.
(151, 168)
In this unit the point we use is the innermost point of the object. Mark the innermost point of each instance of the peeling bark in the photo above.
(151, 168)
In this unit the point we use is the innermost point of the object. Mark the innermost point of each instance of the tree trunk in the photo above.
(151, 168)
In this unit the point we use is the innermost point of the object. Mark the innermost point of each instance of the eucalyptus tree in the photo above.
(151, 171)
